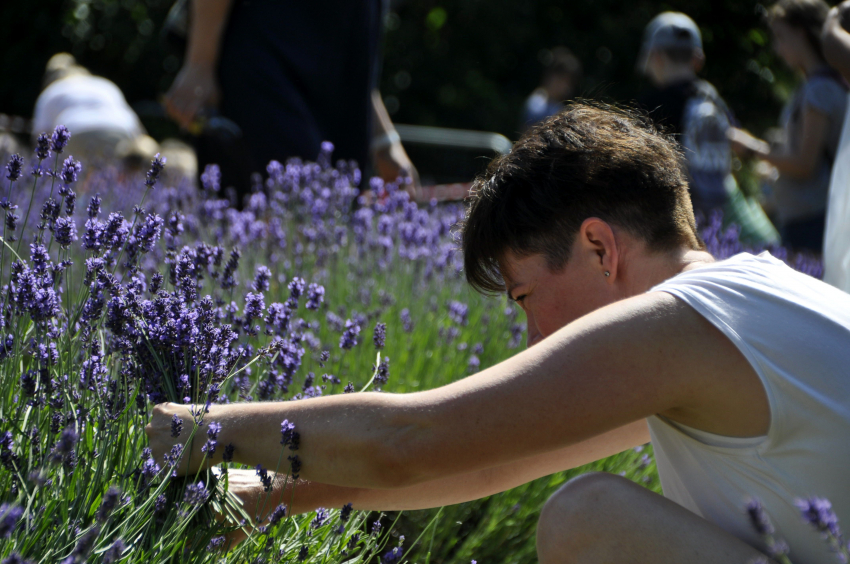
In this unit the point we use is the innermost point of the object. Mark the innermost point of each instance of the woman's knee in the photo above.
(573, 519)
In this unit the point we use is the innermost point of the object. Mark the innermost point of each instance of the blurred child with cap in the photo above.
(691, 109)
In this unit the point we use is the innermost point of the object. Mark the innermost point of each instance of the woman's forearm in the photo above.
(352, 440)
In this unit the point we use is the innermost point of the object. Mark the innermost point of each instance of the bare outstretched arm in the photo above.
(642, 356)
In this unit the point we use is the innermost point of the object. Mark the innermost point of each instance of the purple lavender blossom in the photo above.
(376, 528)
(149, 469)
(108, 504)
(176, 426)
(393, 556)
(278, 514)
(172, 458)
(12, 223)
(379, 338)
(303, 553)
(59, 139)
(9, 517)
(406, 320)
(289, 436)
(320, 518)
(348, 340)
(65, 231)
(758, 518)
(113, 553)
(296, 287)
(261, 279)
(93, 209)
(227, 456)
(215, 543)
(157, 164)
(818, 512)
(264, 478)
(196, 494)
(459, 312)
(295, 466)
(345, 512)
(213, 430)
(70, 202)
(70, 170)
(349, 388)
(315, 296)
(15, 167)
(383, 373)
(211, 178)
(254, 306)
(353, 540)
(67, 441)
(42, 147)
(473, 364)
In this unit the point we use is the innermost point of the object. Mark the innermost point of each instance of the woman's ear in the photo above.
(598, 241)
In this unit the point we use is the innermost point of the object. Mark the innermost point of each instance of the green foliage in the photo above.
(476, 67)
(467, 63)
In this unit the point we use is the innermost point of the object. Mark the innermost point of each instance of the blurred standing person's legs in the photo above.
(288, 75)
(293, 75)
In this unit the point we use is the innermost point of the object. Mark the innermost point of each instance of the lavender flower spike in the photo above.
(176, 426)
(9, 517)
(60, 138)
(380, 336)
(264, 478)
(42, 147)
(212, 438)
(157, 165)
(278, 514)
(70, 170)
(196, 494)
(819, 513)
(289, 437)
(14, 167)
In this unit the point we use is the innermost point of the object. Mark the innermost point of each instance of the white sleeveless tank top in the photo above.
(795, 332)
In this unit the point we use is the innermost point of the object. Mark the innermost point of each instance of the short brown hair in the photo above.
(586, 161)
(808, 15)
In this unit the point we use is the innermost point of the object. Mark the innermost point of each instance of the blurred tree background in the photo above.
(461, 63)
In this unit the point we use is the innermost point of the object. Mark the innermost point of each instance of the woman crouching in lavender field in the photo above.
(735, 370)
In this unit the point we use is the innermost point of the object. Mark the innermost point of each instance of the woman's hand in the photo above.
(161, 439)
(256, 503)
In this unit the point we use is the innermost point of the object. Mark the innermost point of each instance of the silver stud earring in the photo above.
(607, 274)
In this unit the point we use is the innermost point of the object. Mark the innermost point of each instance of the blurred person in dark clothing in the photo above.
(686, 106)
(811, 122)
(691, 109)
(289, 76)
(559, 83)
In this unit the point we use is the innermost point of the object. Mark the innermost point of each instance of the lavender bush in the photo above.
(119, 293)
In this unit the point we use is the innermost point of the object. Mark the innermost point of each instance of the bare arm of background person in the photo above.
(836, 39)
(646, 355)
(798, 164)
(391, 160)
(196, 86)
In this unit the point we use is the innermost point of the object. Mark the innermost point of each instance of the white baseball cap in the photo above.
(668, 30)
